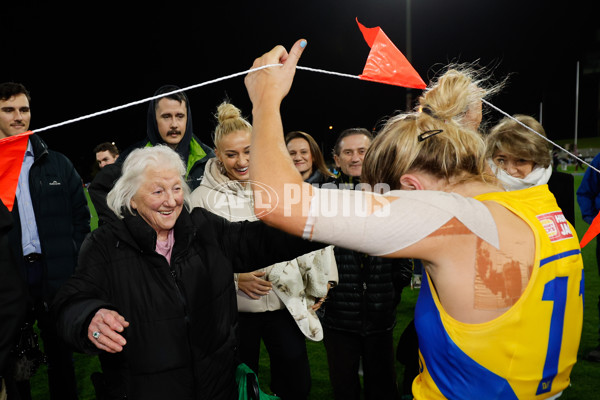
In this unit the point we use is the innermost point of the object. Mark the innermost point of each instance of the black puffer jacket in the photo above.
(61, 214)
(181, 339)
(368, 292)
(369, 289)
(318, 178)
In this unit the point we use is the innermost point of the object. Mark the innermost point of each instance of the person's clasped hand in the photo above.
(271, 85)
(254, 285)
(103, 330)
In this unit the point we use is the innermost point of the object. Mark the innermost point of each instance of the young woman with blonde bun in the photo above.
(276, 304)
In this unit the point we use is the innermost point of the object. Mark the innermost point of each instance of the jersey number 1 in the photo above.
(556, 291)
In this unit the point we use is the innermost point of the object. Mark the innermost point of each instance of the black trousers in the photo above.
(344, 352)
(286, 345)
(407, 352)
(61, 372)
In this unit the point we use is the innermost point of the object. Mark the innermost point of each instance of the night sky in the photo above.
(77, 61)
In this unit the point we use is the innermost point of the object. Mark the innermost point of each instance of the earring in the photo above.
(221, 167)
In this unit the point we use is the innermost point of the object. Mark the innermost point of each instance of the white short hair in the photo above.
(134, 171)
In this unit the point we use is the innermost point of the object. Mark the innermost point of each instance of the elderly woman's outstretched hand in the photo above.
(103, 329)
(270, 85)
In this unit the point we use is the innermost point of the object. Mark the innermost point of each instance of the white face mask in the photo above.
(539, 176)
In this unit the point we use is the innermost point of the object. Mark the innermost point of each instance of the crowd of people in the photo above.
(188, 272)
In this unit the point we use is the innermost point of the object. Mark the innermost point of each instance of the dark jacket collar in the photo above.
(135, 231)
(318, 177)
(39, 147)
(348, 182)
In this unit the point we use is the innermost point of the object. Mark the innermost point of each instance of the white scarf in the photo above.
(538, 176)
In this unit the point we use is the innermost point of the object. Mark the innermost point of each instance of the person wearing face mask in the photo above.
(520, 159)
(169, 122)
(276, 304)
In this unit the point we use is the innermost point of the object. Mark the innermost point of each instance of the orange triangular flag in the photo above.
(592, 232)
(12, 149)
(386, 64)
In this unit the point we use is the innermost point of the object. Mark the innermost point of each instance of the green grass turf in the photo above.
(584, 378)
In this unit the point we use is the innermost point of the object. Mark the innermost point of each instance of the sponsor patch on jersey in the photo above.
(556, 226)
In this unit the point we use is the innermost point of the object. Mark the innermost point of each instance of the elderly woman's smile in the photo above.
(159, 199)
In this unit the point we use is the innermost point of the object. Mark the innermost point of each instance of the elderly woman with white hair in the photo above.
(153, 295)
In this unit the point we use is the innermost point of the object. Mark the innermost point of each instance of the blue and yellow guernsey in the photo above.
(529, 351)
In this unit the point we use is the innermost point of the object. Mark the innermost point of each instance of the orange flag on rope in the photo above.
(12, 150)
(386, 64)
(592, 232)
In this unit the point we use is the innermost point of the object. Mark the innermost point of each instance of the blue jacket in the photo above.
(589, 191)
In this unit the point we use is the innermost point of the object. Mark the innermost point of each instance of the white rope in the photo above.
(134, 103)
(123, 106)
(328, 72)
(223, 78)
(539, 134)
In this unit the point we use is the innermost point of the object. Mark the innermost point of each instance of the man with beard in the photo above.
(169, 122)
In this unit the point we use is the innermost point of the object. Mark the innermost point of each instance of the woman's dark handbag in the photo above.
(26, 355)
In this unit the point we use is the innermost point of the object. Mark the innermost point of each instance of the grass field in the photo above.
(585, 377)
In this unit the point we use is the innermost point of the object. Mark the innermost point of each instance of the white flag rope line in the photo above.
(223, 78)
(134, 103)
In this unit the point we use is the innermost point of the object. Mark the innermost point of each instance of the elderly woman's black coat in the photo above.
(181, 339)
